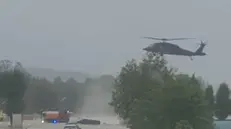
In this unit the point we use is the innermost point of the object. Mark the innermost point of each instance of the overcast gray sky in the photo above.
(98, 36)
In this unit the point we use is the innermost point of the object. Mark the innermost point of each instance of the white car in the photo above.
(71, 126)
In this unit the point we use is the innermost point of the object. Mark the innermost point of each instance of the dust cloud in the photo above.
(96, 101)
(95, 106)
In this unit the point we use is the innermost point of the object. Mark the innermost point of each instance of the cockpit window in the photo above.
(152, 45)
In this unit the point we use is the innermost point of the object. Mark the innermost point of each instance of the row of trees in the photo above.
(44, 94)
(221, 101)
(149, 94)
(22, 92)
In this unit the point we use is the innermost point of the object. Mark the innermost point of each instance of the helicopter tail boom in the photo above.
(199, 51)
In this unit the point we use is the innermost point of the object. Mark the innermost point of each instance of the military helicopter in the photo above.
(165, 47)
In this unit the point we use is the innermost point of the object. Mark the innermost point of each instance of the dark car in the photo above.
(89, 122)
(71, 126)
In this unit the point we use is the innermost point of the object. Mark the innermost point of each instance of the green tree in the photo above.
(30, 96)
(209, 95)
(222, 102)
(13, 84)
(151, 95)
(71, 95)
(183, 124)
(46, 97)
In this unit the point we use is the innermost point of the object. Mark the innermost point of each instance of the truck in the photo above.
(55, 116)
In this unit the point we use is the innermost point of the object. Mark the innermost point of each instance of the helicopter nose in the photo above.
(146, 48)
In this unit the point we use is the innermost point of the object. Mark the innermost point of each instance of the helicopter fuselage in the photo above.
(171, 49)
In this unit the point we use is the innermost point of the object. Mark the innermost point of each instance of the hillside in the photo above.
(51, 74)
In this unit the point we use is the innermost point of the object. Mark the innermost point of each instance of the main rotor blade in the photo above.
(166, 39)
(180, 39)
(153, 38)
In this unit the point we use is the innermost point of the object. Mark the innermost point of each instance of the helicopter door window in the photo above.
(152, 45)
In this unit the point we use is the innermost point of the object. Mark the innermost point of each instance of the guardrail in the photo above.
(25, 117)
(28, 117)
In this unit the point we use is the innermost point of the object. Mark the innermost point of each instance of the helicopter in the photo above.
(165, 47)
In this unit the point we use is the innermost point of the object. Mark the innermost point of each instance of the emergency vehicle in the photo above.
(55, 116)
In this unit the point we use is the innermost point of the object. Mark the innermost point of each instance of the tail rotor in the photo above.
(202, 43)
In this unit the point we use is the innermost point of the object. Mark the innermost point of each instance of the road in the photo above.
(60, 126)
(26, 123)
(36, 124)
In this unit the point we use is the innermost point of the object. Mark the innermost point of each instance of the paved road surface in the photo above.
(26, 123)
(60, 126)
(36, 124)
